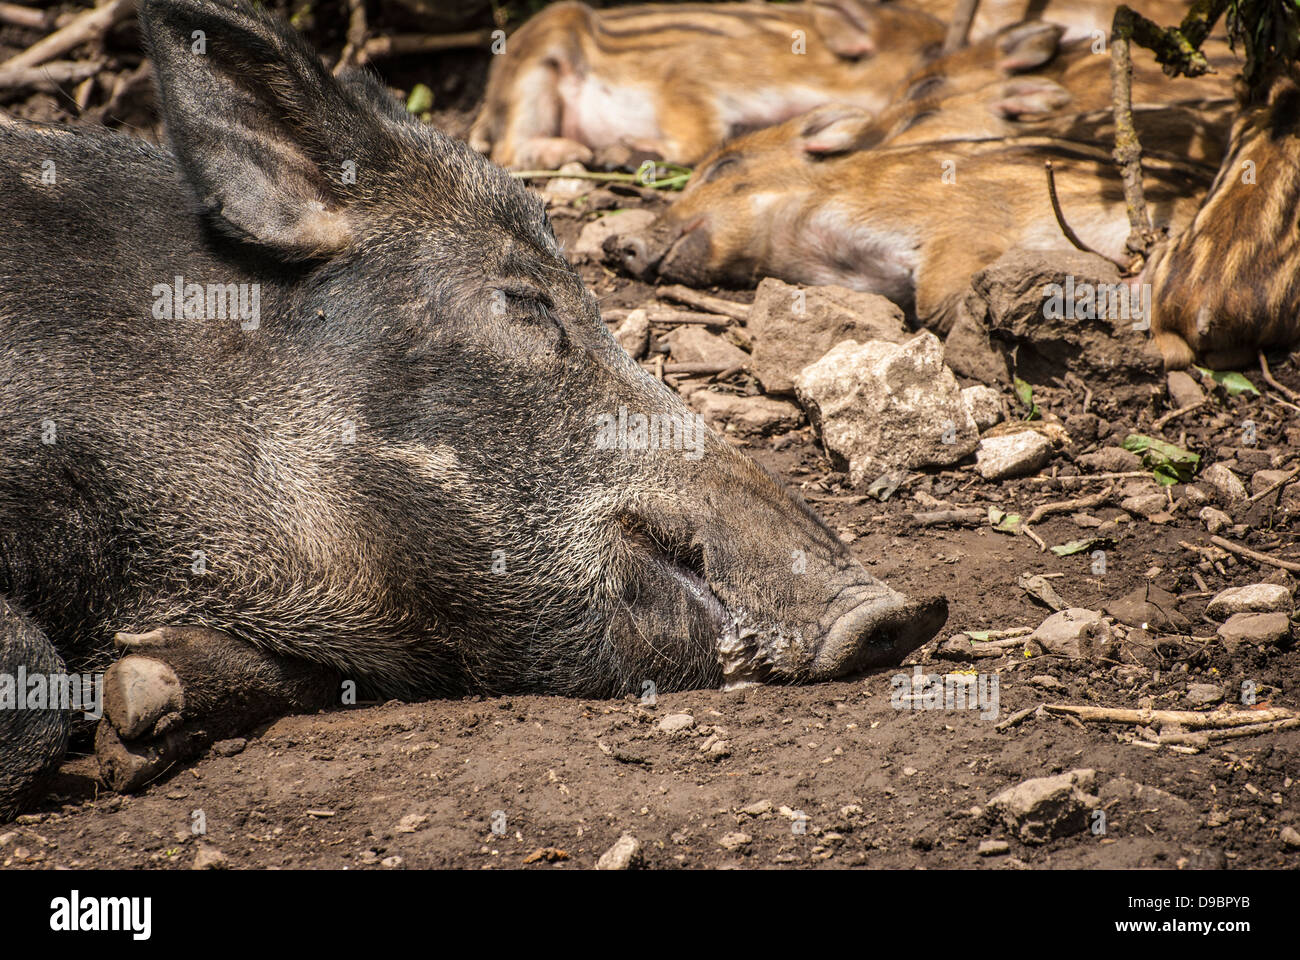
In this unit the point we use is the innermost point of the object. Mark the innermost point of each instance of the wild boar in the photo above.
(313, 399)
(912, 223)
(675, 80)
(1226, 287)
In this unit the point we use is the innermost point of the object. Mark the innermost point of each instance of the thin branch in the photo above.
(1065, 227)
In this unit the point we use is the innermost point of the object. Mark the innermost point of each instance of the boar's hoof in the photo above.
(126, 767)
(140, 693)
(879, 634)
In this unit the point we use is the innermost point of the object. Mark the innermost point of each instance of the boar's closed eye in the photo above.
(717, 167)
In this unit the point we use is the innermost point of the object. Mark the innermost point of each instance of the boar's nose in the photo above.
(882, 629)
(633, 254)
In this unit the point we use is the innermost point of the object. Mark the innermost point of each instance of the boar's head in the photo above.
(522, 507)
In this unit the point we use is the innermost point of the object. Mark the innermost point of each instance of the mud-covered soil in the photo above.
(822, 776)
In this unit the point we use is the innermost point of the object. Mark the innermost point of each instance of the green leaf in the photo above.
(981, 635)
(1026, 394)
(1168, 462)
(1233, 382)
(1078, 546)
(420, 100)
(1004, 522)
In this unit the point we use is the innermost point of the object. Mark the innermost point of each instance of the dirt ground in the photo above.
(826, 776)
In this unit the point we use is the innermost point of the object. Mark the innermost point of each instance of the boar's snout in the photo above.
(667, 249)
(880, 631)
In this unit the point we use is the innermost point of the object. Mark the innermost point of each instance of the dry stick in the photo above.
(1254, 555)
(1249, 730)
(665, 315)
(696, 368)
(122, 88)
(1017, 717)
(1127, 475)
(1175, 414)
(1271, 487)
(1268, 378)
(1128, 149)
(395, 46)
(87, 26)
(356, 38)
(1024, 528)
(49, 75)
(1187, 719)
(1065, 506)
(1065, 227)
(937, 518)
(959, 30)
(18, 16)
(693, 298)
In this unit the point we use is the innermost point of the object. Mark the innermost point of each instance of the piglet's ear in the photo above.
(836, 128)
(847, 27)
(256, 121)
(1029, 98)
(1028, 45)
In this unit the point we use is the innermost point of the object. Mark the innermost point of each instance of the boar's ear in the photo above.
(255, 120)
(1030, 97)
(836, 128)
(847, 27)
(1028, 45)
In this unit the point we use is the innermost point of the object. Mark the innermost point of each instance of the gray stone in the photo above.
(880, 406)
(1075, 632)
(623, 855)
(1226, 485)
(1149, 608)
(633, 334)
(969, 351)
(1257, 628)
(1215, 520)
(210, 858)
(993, 848)
(1110, 460)
(675, 722)
(793, 327)
(1203, 694)
(1145, 504)
(692, 344)
(1012, 455)
(1251, 598)
(986, 406)
(759, 415)
(734, 841)
(1183, 390)
(1047, 807)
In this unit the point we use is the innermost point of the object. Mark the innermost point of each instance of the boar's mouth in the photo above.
(866, 625)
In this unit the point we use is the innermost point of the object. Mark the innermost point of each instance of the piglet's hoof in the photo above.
(141, 696)
(126, 767)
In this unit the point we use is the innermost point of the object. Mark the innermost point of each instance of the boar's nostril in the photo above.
(880, 631)
(632, 253)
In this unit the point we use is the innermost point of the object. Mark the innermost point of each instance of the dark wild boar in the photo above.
(316, 396)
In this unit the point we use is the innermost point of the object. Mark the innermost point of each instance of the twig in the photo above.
(1017, 717)
(1187, 719)
(961, 518)
(1127, 475)
(1065, 506)
(1175, 414)
(18, 16)
(696, 368)
(87, 26)
(401, 44)
(1024, 528)
(1065, 227)
(1128, 149)
(1273, 486)
(728, 373)
(703, 301)
(49, 75)
(356, 39)
(669, 317)
(1268, 378)
(959, 29)
(1254, 555)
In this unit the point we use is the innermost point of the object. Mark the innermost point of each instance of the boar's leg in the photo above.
(32, 739)
(178, 689)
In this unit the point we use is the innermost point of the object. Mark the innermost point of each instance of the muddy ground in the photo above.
(823, 776)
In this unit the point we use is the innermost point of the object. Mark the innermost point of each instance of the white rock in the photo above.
(1215, 520)
(1075, 632)
(1012, 455)
(985, 406)
(1252, 598)
(675, 722)
(625, 852)
(1225, 483)
(883, 406)
(1047, 807)
(633, 334)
